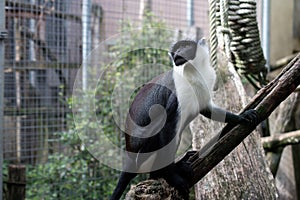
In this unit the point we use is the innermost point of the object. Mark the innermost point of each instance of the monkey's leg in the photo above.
(176, 177)
(183, 164)
(124, 180)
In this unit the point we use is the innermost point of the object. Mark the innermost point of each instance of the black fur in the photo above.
(160, 90)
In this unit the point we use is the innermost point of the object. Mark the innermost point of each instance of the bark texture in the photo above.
(152, 190)
(285, 118)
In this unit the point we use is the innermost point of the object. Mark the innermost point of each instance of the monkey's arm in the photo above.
(218, 114)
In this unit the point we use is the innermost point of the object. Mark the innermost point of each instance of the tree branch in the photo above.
(266, 100)
(281, 140)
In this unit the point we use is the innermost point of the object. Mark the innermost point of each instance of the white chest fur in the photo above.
(193, 88)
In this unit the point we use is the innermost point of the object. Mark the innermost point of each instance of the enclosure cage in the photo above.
(44, 48)
(53, 51)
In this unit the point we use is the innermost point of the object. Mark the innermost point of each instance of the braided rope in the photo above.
(224, 23)
(243, 47)
(246, 45)
(224, 4)
(213, 32)
(241, 37)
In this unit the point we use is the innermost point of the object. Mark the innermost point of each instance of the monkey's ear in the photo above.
(202, 41)
(171, 55)
(203, 44)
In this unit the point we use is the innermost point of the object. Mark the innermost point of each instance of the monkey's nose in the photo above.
(179, 60)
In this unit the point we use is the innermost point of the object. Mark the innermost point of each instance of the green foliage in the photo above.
(65, 176)
(74, 173)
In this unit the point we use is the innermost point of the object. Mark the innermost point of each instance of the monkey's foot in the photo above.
(183, 166)
(177, 175)
(180, 183)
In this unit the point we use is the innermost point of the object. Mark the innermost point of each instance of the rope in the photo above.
(213, 32)
(225, 30)
(241, 37)
(246, 45)
(224, 7)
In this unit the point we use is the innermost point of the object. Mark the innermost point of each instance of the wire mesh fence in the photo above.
(47, 41)
(39, 61)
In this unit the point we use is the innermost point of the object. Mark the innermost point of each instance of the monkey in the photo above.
(162, 109)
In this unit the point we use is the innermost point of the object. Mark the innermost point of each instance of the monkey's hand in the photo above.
(249, 117)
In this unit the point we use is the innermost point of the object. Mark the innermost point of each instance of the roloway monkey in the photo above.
(163, 108)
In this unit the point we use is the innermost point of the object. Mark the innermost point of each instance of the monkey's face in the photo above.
(189, 51)
(183, 51)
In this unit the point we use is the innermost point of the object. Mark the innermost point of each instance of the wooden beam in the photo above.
(281, 140)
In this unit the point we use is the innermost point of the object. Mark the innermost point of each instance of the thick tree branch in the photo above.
(266, 100)
(281, 140)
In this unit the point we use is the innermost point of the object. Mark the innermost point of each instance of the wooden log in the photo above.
(16, 182)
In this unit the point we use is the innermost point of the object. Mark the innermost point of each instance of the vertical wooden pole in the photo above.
(16, 182)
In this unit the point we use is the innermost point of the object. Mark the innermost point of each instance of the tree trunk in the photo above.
(284, 162)
(243, 174)
(16, 182)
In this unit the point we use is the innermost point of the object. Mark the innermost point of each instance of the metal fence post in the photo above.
(86, 39)
(266, 9)
(190, 13)
(3, 34)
